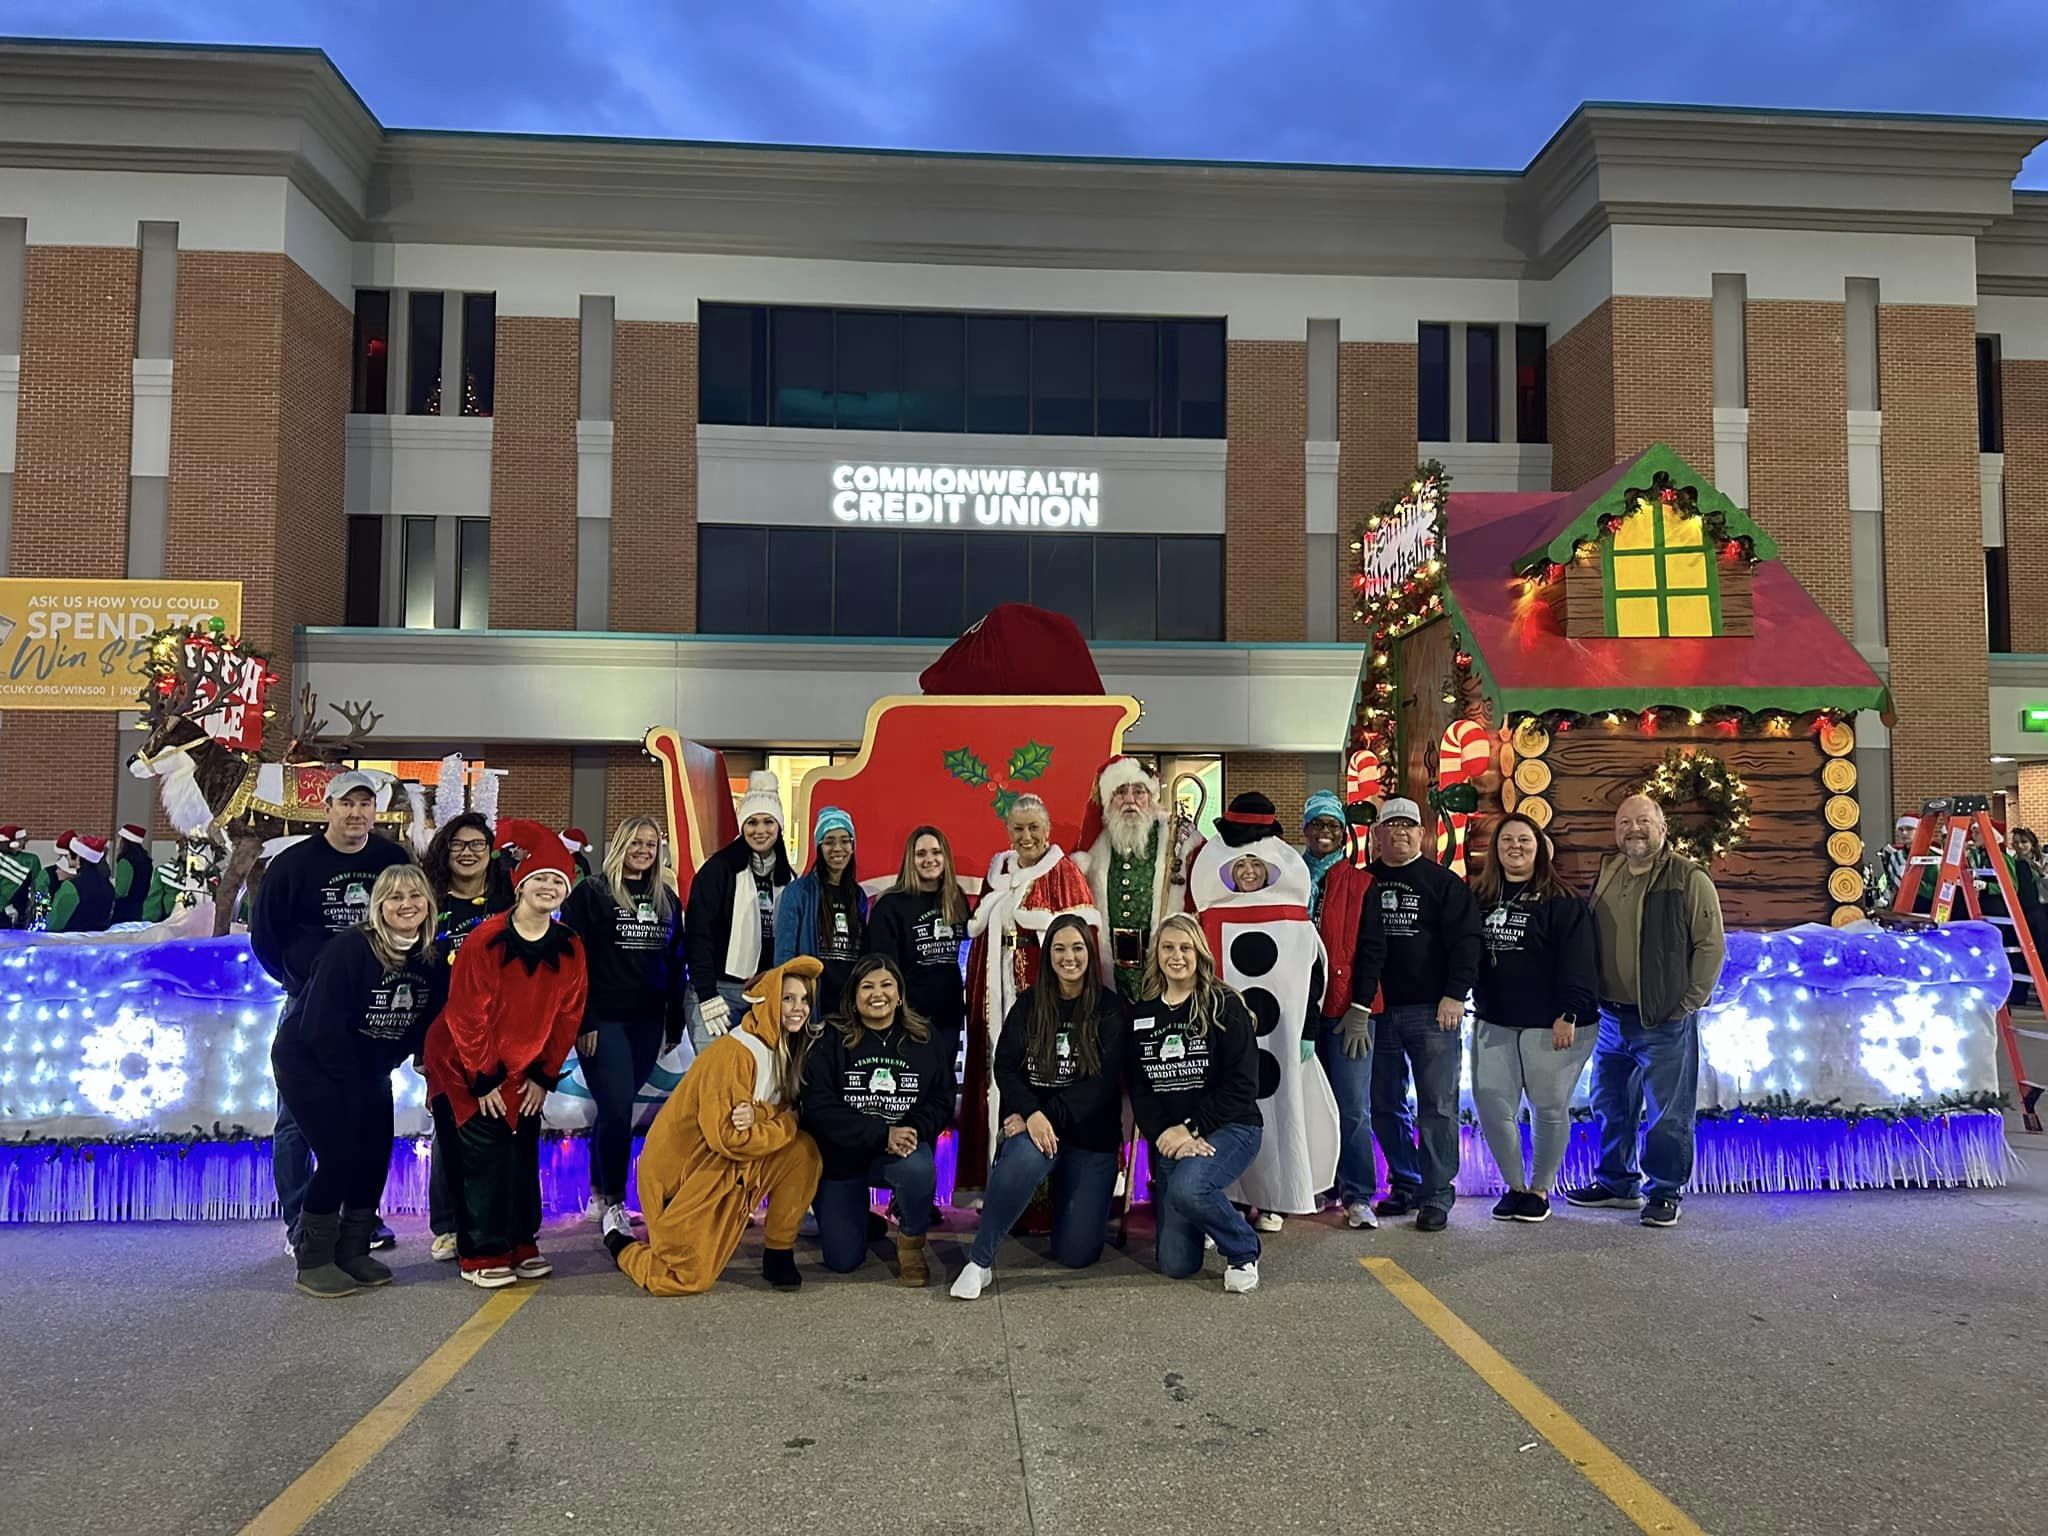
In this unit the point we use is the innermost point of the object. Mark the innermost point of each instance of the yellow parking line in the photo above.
(290, 1510)
(1621, 1483)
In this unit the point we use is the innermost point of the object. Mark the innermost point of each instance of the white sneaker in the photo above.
(497, 1277)
(535, 1268)
(1359, 1214)
(616, 1220)
(444, 1246)
(291, 1249)
(1269, 1221)
(974, 1279)
(1240, 1278)
(596, 1209)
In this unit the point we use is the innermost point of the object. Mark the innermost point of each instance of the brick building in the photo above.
(537, 443)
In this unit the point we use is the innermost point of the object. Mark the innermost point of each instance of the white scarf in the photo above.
(743, 944)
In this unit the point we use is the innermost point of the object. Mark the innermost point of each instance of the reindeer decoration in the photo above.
(234, 799)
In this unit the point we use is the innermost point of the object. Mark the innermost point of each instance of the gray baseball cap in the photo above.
(1400, 810)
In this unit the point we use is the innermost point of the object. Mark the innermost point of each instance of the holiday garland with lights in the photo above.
(1403, 605)
(1686, 778)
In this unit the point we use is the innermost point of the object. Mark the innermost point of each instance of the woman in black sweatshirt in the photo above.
(631, 925)
(1195, 1091)
(1537, 1013)
(373, 992)
(1059, 1071)
(875, 1097)
(920, 923)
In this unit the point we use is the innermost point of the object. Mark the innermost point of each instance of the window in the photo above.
(998, 373)
(800, 581)
(1190, 588)
(1433, 383)
(1063, 577)
(1127, 378)
(363, 598)
(1661, 578)
(473, 574)
(417, 572)
(1062, 378)
(732, 580)
(864, 581)
(732, 360)
(1990, 396)
(423, 353)
(800, 367)
(1192, 378)
(1532, 384)
(998, 571)
(372, 352)
(1126, 587)
(934, 566)
(868, 373)
(479, 354)
(1482, 384)
(934, 373)
(1998, 600)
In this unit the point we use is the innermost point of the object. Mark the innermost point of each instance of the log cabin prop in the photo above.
(1554, 652)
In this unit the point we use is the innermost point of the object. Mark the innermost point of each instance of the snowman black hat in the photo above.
(1250, 818)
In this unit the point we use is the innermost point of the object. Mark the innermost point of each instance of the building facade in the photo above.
(536, 443)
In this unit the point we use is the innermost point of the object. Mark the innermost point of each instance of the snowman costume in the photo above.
(1268, 950)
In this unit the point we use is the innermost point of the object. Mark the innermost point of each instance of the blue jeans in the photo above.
(625, 1055)
(291, 1165)
(1188, 1202)
(842, 1206)
(1351, 1081)
(1631, 1063)
(1082, 1183)
(1407, 1037)
(735, 995)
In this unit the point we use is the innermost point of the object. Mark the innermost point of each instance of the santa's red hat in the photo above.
(65, 840)
(133, 834)
(575, 839)
(541, 848)
(11, 834)
(1109, 778)
(90, 849)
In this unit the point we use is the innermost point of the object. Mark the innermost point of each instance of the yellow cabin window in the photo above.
(1660, 576)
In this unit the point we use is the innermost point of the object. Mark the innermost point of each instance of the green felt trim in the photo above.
(1792, 701)
(1657, 456)
(1488, 683)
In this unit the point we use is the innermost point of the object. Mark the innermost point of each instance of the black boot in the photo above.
(778, 1268)
(352, 1249)
(313, 1248)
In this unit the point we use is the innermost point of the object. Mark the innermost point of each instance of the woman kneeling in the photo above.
(876, 1095)
(1059, 1069)
(726, 1139)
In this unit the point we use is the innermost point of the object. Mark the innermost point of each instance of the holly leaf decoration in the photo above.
(1030, 760)
(1005, 798)
(963, 765)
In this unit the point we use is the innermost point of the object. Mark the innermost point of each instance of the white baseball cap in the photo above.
(357, 778)
(1400, 810)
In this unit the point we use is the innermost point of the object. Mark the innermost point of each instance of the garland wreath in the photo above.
(1685, 778)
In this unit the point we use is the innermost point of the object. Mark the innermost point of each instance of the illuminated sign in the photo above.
(1404, 541)
(955, 496)
(2034, 718)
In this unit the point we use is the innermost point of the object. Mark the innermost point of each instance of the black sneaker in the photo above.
(778, 1268)
(1505, 1208)
(1393, 1205)
(1532, 1207)
(1661, 1213)
(1432, 1218)
(1601, 1195)
(383, 1238)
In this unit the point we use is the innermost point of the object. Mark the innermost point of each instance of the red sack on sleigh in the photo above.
(1016, 649)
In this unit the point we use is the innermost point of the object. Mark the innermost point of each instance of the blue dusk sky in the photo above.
(1398, 82)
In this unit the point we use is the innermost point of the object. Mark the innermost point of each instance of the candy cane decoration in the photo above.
(1463, 755)
(1362, 782)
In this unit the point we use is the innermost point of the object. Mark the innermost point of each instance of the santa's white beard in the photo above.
(1129, 831)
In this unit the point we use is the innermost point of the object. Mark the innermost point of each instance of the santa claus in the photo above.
(1137, 864)
(1027, 887)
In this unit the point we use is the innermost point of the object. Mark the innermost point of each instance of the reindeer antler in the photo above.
(305, 726)
(362, 719)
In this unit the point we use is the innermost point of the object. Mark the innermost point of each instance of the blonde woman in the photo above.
(631, 925)
(1195, 1091)
(373, 992)
(920, 923)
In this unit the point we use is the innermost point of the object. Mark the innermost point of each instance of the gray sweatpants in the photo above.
(1510, 1064)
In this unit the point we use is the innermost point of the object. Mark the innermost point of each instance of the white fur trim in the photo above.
(130, 835)
(91, 855)
(1168, 897)
(1125, 770)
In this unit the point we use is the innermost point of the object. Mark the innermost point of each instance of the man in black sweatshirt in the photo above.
(312, 891)
(1430, 927)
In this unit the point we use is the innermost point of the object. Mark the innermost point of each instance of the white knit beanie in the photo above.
(763, 797)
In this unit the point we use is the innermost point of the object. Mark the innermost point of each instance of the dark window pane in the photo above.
(1190, 589)
(417, 571)
(732, 580)
(423, 353)
(1990, 397)
(800, 364)
(479, 354)
(933, 572)
(1126, 587)
(1998, 598)
(373, 351)
(1482, 384)
(1192, 375)
(1433, 383)
(1532, 384)
(732, 365)
(1062, 378)
(1063, 577)
(998, 571)
(934, 373)
(1127, 378)
(799, 581)
(870, 368)
(473, 578)
(363, 598)
(864, 581)
(998, 373)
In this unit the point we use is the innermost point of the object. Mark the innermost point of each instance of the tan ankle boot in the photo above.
(912, 1267)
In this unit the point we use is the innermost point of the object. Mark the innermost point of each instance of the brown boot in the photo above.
(912, 1266)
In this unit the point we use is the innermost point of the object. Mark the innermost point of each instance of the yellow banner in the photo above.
(75, 644)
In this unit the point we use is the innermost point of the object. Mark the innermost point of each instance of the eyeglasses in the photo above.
(469, 845)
